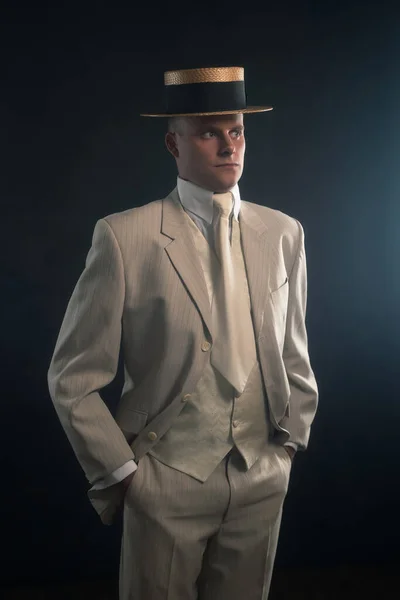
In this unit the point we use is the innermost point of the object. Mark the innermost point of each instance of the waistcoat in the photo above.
(214, 420)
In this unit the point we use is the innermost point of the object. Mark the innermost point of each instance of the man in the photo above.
(207, 295)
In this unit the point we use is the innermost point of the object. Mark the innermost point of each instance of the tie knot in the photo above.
(224, 203)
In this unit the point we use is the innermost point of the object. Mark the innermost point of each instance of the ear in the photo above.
(170, 142)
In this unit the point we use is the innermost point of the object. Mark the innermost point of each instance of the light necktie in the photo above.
(233, 353)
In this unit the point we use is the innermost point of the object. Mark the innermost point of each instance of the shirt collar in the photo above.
(199, 201)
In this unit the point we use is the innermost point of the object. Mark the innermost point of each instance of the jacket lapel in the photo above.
(182, 253)
(257, 254)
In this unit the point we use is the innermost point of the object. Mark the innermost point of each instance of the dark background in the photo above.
(75, 149)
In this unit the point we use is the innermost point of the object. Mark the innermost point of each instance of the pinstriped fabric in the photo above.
(169, 518)
(85, 360)
(143, 287)
(203, 433)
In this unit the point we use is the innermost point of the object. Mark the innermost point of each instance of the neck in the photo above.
(203, 187)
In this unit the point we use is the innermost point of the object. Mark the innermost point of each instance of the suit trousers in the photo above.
(187, 540)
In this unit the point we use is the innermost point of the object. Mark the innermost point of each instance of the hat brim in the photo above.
(249, 109)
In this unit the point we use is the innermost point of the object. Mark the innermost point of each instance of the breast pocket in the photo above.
(279, 303)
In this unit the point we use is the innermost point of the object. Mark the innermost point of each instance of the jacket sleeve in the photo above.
(85, 359)
(303, 386)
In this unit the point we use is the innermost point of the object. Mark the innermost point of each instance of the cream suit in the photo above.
(144, 287)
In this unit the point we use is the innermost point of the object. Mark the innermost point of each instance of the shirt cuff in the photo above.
(116, 476)
(292, 445)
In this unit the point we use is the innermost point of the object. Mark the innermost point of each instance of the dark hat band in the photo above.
(205, 97)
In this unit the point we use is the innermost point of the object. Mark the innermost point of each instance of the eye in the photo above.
(208, 134)
(237, 133)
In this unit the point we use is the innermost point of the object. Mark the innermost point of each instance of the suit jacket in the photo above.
(143, 289)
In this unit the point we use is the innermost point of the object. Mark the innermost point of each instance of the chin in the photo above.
(227, 183)
(220, 184)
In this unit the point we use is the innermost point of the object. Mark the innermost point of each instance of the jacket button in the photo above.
(205, 346)
(186, 397)
(235, 423)
(152, 435)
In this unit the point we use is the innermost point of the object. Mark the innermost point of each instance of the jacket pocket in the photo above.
(279, 304)
(136, 419)
(279, 288)
(132, 422)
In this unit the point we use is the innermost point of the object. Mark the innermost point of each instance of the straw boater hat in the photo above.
(209, 91)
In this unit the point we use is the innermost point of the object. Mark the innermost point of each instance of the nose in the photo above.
(228, 151)
(227, 147)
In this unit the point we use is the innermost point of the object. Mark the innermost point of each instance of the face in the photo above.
(209, 151)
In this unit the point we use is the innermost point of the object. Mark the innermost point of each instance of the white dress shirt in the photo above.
(198, 203)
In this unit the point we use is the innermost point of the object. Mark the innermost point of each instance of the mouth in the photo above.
(228, 166)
